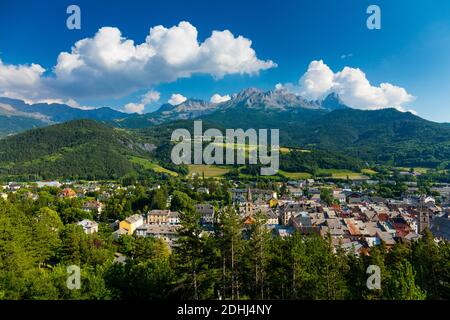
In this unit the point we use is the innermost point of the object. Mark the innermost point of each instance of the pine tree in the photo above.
(259, 246)
(190, 253)
(401, 284)
(376, 257)
(430, 261)
(232, 247)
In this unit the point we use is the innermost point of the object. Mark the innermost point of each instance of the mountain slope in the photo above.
(13, 124)
(77, 149)
(381, 136)
(191, 108)
(273, 100)
(387, 135)
(270, 104)
(45, 114)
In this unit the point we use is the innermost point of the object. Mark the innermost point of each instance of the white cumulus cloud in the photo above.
(134, 107)
(217, 98)
(147, 98)
(20, 81)
(352, 86)
(176, 99)
(111, 65)
(151, 96)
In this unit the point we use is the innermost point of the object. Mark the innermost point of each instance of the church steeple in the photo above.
(249, 195)
(249, 203)
(423, 217)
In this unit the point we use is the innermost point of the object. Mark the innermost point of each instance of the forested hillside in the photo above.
(13, 124)
(78, 149)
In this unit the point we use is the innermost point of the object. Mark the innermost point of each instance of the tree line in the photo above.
(38, 241)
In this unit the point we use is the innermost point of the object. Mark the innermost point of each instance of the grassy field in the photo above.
(342, 174)
(416, 169)
(210, 171)
(287, 150)
(295, 175)
(248, 147)
(335, 173)
(368, 171)
(152, 166)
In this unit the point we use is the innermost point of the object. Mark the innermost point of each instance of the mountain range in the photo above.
(252, 100)
(16, 115)
(385, 136)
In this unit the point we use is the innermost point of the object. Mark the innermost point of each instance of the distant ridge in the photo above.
(16, 115)
(253, 99)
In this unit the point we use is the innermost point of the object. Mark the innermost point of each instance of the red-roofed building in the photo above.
(68, 193)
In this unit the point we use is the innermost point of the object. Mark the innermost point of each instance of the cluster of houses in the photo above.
(162, 224)
(355, 221)
(69, 189)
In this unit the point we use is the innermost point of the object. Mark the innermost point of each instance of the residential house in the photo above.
(203, 190)
(333, 227)
(118, 233)
(174, 218)
(42, 184)
(206, 211)
(273, 202)
(89, 226)
(440, 227)
(160, 231)
(288, 210)
(67, 193)
(240, 195)
(340, 196)
(131, 223)
(158, 217)
(352, 247)
(13, 186)
(272, 217)
(31, 196)
(295, 192)
(354, 197)
(93, 206)
(314, 194)
(303, 224)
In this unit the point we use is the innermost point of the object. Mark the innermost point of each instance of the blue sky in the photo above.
(411, 51)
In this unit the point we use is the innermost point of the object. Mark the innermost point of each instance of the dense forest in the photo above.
(312, 160)
(38, 241)
(341, 139)
(380, 136)
(13, 124)
(79, 149)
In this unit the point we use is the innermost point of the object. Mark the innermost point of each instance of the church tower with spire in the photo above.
(249, 207)
(423, 216)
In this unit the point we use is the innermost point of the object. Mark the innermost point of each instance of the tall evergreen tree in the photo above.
(260, 237)
(230, 239)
